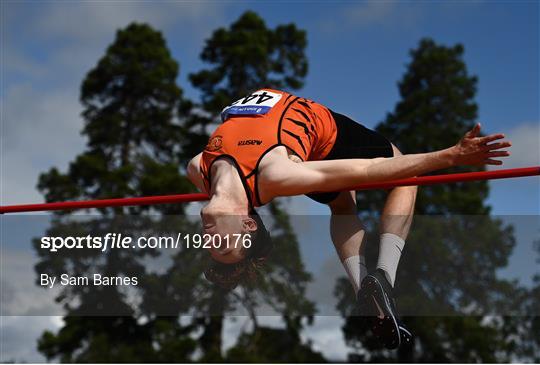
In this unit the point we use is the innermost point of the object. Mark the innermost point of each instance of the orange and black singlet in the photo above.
(261, 121)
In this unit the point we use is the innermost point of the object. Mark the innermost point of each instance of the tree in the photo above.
(245, 57)
(129, 100)
(272, 345)
(455, 248)
(248, 56)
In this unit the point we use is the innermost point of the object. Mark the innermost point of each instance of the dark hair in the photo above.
(228, 276)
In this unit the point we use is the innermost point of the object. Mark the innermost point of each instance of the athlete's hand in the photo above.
(474, 150)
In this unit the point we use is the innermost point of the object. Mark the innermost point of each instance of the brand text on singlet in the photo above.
(249, 142)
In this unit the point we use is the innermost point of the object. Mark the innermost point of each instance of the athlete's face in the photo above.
(223, 236)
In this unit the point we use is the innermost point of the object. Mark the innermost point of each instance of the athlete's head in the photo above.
(225, 234)
(245, 244)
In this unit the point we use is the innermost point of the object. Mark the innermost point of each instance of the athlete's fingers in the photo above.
(491, 138)
(473, 132)
(498, 146)
(490, 161)
(498, 154)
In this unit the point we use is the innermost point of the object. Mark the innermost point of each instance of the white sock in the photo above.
(356, 269)
(389, 254)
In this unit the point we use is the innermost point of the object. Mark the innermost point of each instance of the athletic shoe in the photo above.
(406, 336)
(377, 303)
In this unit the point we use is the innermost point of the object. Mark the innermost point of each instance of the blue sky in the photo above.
(357, 52)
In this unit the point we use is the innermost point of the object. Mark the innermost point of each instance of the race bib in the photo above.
(260, 102)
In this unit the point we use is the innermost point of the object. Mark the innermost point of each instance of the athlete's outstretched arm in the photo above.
(290, 178)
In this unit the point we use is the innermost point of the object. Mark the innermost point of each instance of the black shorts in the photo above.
(353, 140)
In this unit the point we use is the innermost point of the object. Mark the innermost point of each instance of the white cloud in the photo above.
(326, 336)
(325, 333)
(370, 12)
(518, 196)
(19, 281)
(68, 38)
(92, 21)
(39, 130)
(19, 335)
(392, 14)
(321, 289)
(525, 150)
(24, 307)
(16, 63)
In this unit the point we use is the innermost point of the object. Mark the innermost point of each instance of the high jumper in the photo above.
(272, 143)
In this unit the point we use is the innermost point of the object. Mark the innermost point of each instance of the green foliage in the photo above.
(247, 56)
(117, 340)
(447, 280)
(130, 95)
(272, 345)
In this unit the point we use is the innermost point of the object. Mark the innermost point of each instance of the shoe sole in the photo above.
(384, 323)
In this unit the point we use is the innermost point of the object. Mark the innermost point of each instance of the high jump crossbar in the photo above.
(193, 197)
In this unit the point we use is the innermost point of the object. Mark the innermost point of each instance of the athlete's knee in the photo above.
(345, 203)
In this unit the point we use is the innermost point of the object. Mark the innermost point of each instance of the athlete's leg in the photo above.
(396, 219)
(377, 287)
(347, 233)
(356, 141)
